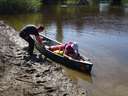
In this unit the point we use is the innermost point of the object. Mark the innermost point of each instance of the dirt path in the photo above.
(21, 76)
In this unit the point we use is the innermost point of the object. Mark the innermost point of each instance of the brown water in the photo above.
(102, 35)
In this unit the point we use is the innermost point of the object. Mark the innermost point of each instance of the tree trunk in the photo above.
(83, 2)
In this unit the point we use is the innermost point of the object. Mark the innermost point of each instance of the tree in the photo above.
(83, 2)
(116, 2)
(50, 1)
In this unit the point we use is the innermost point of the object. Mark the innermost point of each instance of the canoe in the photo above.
(82, 65)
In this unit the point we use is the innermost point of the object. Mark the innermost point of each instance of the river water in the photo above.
(102, 35)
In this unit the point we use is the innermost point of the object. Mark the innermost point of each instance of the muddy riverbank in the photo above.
(21, 76)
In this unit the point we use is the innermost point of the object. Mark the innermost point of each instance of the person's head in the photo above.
(40, 28)
(74, 45)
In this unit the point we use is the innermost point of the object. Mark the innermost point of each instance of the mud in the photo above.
(21, 75)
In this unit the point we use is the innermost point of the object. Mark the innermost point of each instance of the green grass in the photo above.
(14, 6)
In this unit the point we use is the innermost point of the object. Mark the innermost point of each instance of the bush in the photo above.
(14, 6)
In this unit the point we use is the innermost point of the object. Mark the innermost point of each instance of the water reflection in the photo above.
(107, 9)
(102, 34)
(103, 8)
(76, 75)
(19, 20)
(126, 8)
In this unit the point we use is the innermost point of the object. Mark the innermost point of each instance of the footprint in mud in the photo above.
(50, 89)
(34, 58)
(38, 82)
(25, 49)
(30, 71)
(19, 53)
(26, 64)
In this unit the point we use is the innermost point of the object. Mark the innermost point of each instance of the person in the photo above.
(31, 30)
(74, 45)
(70, 49)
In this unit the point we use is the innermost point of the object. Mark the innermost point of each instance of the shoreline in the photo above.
(20, 76)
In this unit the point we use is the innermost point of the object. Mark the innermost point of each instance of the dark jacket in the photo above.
(29, 30)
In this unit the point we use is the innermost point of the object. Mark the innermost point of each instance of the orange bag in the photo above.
(57, 47)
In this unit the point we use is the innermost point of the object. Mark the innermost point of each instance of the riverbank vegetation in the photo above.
(16, 6)
(69, 2)
(125, 1)
(20, 6)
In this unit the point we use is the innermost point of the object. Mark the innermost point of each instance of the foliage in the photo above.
(13, 6)
(125, 1)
